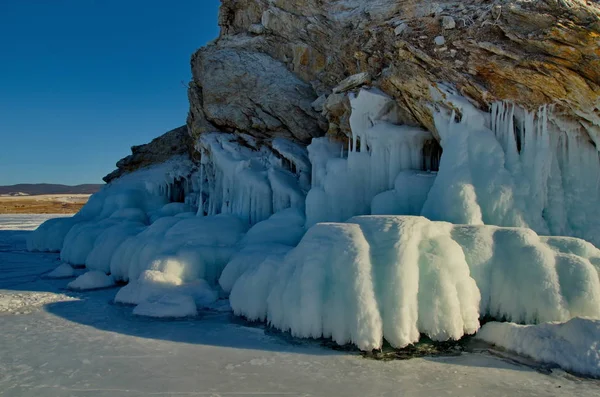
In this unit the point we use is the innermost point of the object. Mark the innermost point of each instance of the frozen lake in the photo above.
(54, 342)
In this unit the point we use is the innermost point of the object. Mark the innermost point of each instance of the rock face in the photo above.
(174, 142)
(274, 58)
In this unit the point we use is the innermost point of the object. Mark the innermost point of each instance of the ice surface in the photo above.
(91, 280)
(396, 277)
(574, 345)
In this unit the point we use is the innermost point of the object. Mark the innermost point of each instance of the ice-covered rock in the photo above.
(378, 277)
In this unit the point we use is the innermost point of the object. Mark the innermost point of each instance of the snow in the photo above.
(63, 271)
(573, 345)
(81, 343)
(91, 280)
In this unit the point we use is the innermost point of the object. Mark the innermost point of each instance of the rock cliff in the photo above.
(172, 143)
(274, 58)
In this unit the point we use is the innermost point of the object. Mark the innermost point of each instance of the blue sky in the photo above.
(81, 81)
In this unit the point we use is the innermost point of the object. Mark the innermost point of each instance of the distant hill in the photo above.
(36, 189)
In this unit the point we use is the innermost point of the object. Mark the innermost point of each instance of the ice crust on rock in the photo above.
(574, 345)
(396, 277)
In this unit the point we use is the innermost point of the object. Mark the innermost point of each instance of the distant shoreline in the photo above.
(43, 204)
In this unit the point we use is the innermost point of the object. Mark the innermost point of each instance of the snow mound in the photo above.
(168, 306)
(574, 345)
(91, 280)
(63, 271)
(396, 277)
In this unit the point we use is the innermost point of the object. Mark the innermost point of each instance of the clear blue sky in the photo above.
(81, 81)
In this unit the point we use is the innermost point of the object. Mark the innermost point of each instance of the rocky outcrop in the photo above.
(174, 142)
(273, 58)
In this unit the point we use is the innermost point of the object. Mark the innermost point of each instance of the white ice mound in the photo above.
(163, 294)
(63, 271)
(50, 235)
(190, 248)
(91, 280)
(131, 198)
(396, 277)
(574, 345)
(108, 242)
(275, 236)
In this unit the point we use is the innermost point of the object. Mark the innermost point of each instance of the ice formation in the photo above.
(396, 277)
(379, 151)
(91, 280)
(131, 197)
(64, 270)
(250, 222)
(274, 237)
(573, 345)
(512, 167)
(239, 178)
